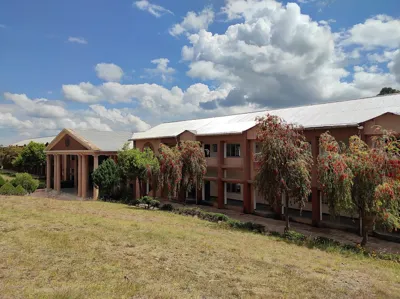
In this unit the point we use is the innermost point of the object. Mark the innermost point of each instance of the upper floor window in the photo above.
(233, 150)
(257, 148)
(210, 150)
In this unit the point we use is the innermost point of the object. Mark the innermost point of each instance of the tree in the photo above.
(137, 165)
(7, 155)
(194, 165)
(285, 163)
(106, 176)
(375, 188)
(32, 157)
(170, 175)
(334, 175)
(388, 90)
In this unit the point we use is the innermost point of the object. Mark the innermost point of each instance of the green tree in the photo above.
(106, 176)
(388, 90)
(32, 157)
(285, 163)
(138, 165)
(7, 155)
(194, 165)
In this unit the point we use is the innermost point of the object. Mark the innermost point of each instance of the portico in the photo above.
(73, 156)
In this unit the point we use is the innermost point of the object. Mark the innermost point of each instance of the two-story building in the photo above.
(230, 143)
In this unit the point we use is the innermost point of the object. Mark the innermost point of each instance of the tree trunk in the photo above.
(367, 224)
(287, 228)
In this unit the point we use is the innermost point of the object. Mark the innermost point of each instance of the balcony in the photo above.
(212, 162)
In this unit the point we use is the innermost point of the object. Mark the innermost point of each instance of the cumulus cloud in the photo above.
(7, 120)
(378, 31)
(77, 40)
(130, 121)
(109, 72)
(38, 107)
(155, 10)
(162, 69)
(193, 22)
(395, 66)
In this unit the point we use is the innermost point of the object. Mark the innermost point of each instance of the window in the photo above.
(233, 150)
(232, 188)
(215, 148)
(207, 151)
(257, 148)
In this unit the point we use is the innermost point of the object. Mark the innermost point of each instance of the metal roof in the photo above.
(108, 141)
(37, 140)
(327, 115)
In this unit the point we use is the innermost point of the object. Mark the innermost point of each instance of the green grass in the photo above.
(74, 249)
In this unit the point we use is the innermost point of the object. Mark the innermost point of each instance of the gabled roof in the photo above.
(327, 115)
(43, 140)
(107, 141)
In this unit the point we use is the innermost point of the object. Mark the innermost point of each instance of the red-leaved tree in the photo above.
(373, 174)
(170, 174)
(285, 163)
(194, 165)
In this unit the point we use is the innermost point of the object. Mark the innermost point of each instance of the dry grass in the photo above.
(65, 249)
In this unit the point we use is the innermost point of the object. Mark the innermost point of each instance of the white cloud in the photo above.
(77, 40)
(162, 69)
(193, 22)
(109, 72)
(128, 120)
(378, 31)
(7, 120)
(395, 66)
(155, 10)
(37, 107)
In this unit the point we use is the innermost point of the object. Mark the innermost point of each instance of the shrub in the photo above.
(7, 189)
(26, 181)
(2, 181)
(148, 201)
(167, 207)
(19, 190)
(106, 176)
(294, 236)
(42, 185)
(250, 226)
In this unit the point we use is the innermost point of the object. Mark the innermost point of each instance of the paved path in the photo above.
(278, 225)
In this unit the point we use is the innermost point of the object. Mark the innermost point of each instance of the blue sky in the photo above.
(122, 65)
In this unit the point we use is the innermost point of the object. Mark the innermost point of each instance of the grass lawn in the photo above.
(72, 249)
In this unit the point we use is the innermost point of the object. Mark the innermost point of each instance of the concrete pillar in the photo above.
(85, 175)
(220, 183)
(48, 172)
(58, 174)
(65, 167)
(246, 156)
(95, 166)
(76, 172)
(79, 157)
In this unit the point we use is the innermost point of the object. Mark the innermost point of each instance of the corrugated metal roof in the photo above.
(104, 140)
(336, 114)
(43, 140)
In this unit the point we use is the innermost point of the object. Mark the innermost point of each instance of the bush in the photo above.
(167, 207)
(7, 189)
(26, 181)
(2, 181)
(148, 201)
(294, 236)
(107, 176)
(19, 190)
(250, 226)
(42, 185)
